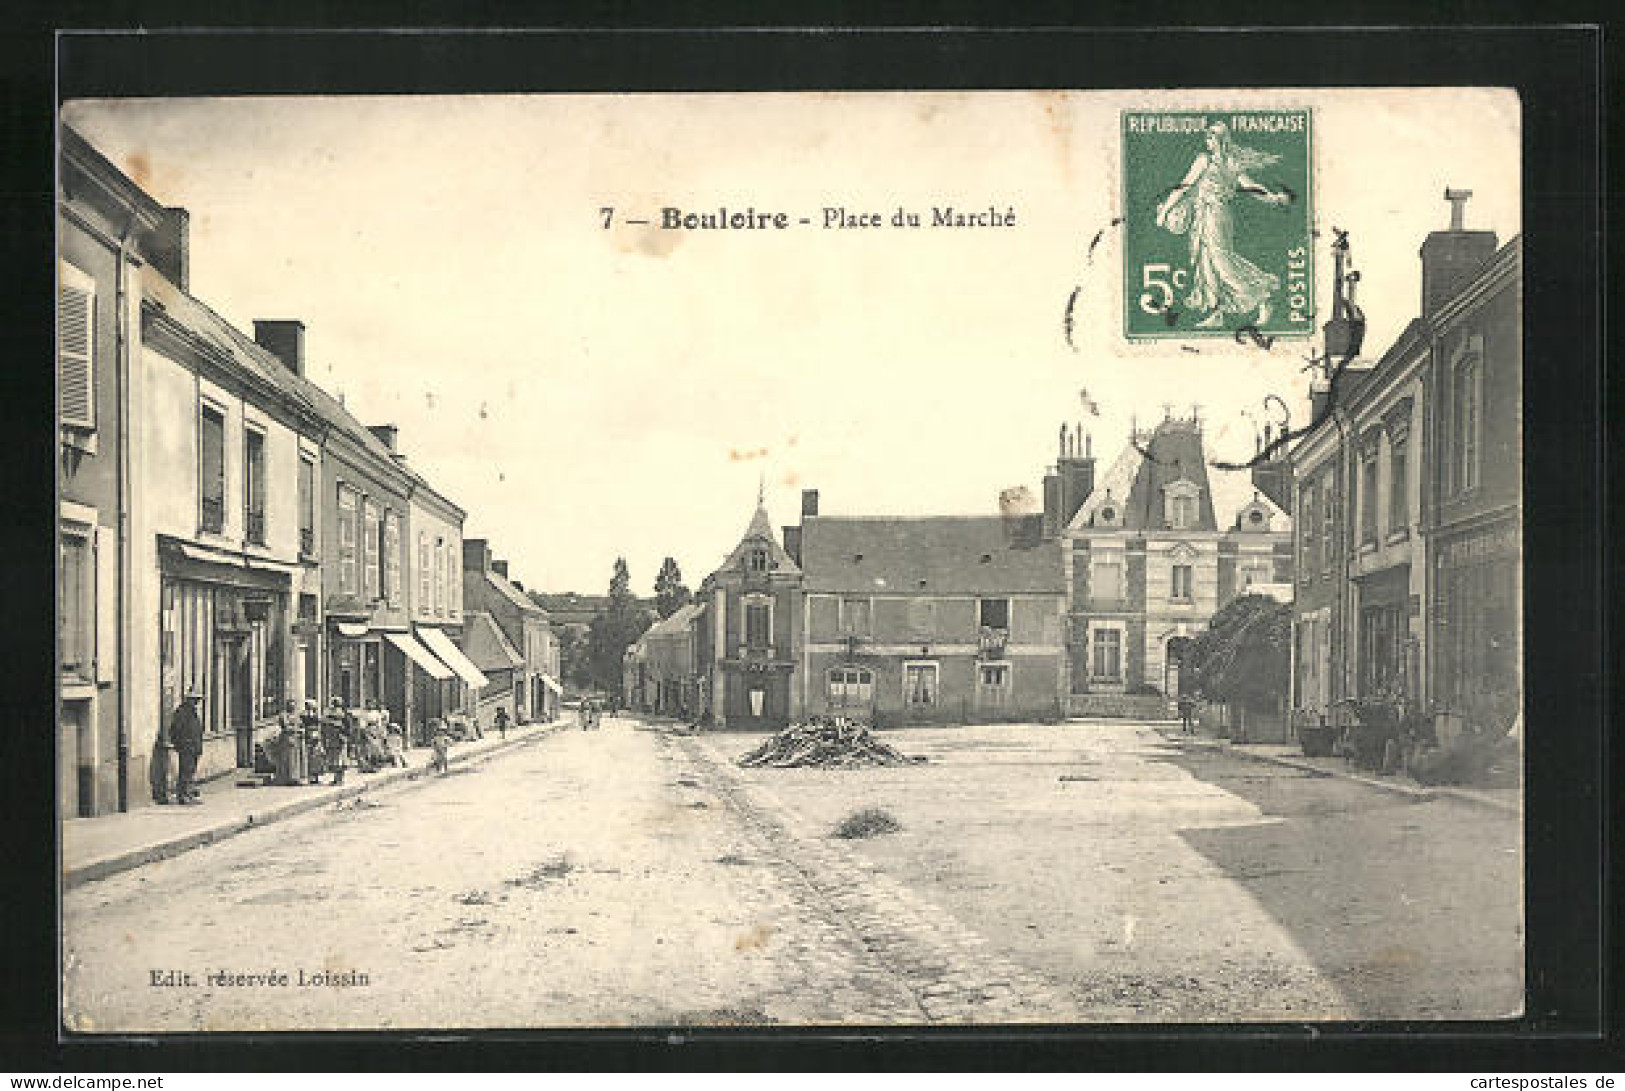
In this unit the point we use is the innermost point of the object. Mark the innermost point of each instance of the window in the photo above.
(1368, 498)
(758, 625)
(1255, 571)
(1466, 410)
(307, 506)
(76, 605)
(212, 469)
(440, 576)
(851, 687)
(1306, 532)
(1106, 646)
(993, 613)
(254, 485)
(855, 616)
(75, 348)
(1181, 512)
(1328, 522)
(392, 557)
(454, 577)
(369, 551)
(1399, 508)
(756, 560)
(1182, 586)
(348, 500)
(1106, 580)
(920, 685)
(425, 574)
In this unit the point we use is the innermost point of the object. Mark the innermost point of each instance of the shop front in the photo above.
(1385, 668)
(1475, 644)
(225, 635)
(456, 694)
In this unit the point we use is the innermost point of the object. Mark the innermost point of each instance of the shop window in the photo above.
(920, 685)
(851, 687)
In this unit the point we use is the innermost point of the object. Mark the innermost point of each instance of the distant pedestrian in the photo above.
(394, 742)
(501, 722)
(310, 721)
(290, 748)
(159, 773)
(440, 739)
(336, 739)
(186, 736)
(1187, 714)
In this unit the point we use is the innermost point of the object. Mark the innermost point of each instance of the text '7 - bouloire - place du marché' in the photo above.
(384, 701)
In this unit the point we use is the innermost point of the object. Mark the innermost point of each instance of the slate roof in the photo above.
(486, 645)
(966, 554)
(760, 533)
(1173, 453)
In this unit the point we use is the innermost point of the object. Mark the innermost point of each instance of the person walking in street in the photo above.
(290, 748)
(310, 722)
(336, 740)
(501, 722)
(394, 741)
(1187, 714)
(440, 739)
(186, 736)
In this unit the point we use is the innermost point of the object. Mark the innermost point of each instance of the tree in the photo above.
(1244, 655)
(614, 630)
(670, 594)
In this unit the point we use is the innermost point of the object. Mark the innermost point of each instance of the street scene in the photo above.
(496, 636)
(1040, 874)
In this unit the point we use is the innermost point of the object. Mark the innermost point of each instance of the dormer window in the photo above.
(756, 560)
(1179, 504)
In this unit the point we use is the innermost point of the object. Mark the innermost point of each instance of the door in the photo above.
(234, 696)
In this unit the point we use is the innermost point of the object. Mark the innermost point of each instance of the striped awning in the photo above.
(419, 655)
(453, 656)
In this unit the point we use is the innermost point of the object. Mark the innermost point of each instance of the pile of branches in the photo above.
(826, 742)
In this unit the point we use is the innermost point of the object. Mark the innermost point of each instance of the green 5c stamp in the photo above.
(1216, 223)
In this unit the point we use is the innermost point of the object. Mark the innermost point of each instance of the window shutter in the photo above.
(76, 331)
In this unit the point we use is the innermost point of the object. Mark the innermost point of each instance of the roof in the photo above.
(677, 625)
(1173, 454)
(485, 643)
(760, 534)
(969, 554)
(515, 597)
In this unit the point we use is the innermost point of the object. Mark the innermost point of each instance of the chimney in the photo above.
(809, 503)
(168, 246)
(283, 338)
(1450, 257)
(1077, 479)
(476, 554)
(386, 434)
(792, 543)
(500, 568)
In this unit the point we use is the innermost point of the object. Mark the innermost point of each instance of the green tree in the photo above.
(1244, 655)
(614, 630)
(670, 593)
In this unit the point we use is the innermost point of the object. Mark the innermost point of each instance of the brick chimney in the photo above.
(168, 246)
(386, 433)
(809, 503)
(283, 338)
(476, 555)
(1072, 480)
(1450, 257)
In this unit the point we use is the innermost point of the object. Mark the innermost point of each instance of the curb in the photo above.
(163, 850)
(1412, 792)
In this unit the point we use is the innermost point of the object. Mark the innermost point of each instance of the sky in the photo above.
(587, 393)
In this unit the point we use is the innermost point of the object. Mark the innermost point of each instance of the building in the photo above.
(110, 234)
(1147, 563)
(751, 638)
(261, 558)
(435, 603)
(1407, 489)
(663, 666)
(532, 690)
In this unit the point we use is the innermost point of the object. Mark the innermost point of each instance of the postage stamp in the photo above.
(1217, 220)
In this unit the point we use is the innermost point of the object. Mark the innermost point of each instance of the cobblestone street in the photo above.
(634, 875)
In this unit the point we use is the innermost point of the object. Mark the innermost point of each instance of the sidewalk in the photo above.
(1291, 756)
(94, 848)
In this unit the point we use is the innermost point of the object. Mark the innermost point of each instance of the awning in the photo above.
(453, 656)
(551, 683)
(418, 654)
(351, 629)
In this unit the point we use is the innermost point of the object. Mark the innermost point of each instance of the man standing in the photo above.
(186, 736)
(501, 721)
(158, 770)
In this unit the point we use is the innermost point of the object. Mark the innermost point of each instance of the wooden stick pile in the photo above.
(827, 742)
